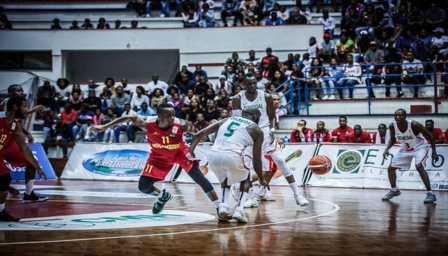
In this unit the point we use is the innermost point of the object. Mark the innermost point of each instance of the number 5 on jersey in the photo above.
(229, 128)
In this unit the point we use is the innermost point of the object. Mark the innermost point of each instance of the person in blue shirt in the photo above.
(82, 117)
(274, 20)
(332, 75)
(144, 111)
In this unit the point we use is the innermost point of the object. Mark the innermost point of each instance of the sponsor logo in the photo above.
(434, 185)
(443, 187)
(124, 162)
(348, 161)
(109, 220)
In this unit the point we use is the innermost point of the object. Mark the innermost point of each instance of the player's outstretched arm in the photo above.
(18, 138)
(187, 126)
(257, 135)
(419, 128)
(198, 137)
(392, 141)
(39, 108)
(135, 119)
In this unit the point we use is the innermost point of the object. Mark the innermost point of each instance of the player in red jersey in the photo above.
(341, 133)
(436, 132)
(164, 135)
(302, 133)
(321, 134)
(30, 172)
(359, 136)
(10, 132)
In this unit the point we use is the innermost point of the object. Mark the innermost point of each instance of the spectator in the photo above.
(248, 6)
(60, 133)
(313, 47)
(368, 20)
(178, 77)
(231, 8)
(224, 114)
(440, 40)
(237, 89)
(109, 134)
(252, 59)
(210, 3)
(296, 18)
(138, 98)
(74, 25)
(202, 86)
(235, 61)
(92, 86)
(46, 95)
(76, 101)
(109, 84)
(118, 24)
(359, 136)
(105, 98)
(301, 133)
(362, 46)
(118, 100)
(385, 43)
(328, 48)
(194, 109)
(288, 62)
(208, 96)
(316, 72)
(306, 61)
(274, 20)
(190, 18)
(425, 37)
(328, 22)
(297, 59)
(269, 58)
(380, 75)
(186, 100)
(77, 88)
(345, 47)
(49, 121)
(305, 14)
(56, 24)
(144, 111)
(139, 7)
(405, 41)
(124, 126)
(350, 22)
(201, 123)
(128, 89)
(333, 74)
(177, 103)
(98, 120)
(223, 85)
(171, 91)
(156, 83)
(250, 20)
(435, 17)
(283, 13)
(157, 98)
(87, 24)
(69, 116)
(279, 105)
(321, 134)
(63, 90)
(239, 81)
(211, 112)
(416, 20)
(358, 7)
(351, 76)
(85, 133)
(185, 84)
(262, 82)
(81, 118)
(206, 16)
(446, 137)
(198, 73)
(341, 133)
(436, 132)
(382, 136)
(412, 72)
(373, 55)
(5, 23)
(102, 24)
(93, 101)
(164, 7)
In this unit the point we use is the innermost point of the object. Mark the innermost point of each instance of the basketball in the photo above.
(320, 165)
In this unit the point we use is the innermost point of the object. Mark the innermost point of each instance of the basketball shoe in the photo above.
(5, 216)
(300, 200)
(239, 216)
(13, 192)
(224, 213)
(430, 198)
(265, 197)
(251, 203)
(391, 194)
(161, 201)
(33, 198)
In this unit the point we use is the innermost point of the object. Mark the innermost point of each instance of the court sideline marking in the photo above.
(336, 208)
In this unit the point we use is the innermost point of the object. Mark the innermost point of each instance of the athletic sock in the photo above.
(2, 207)
(251, 192)
(216, 203)
(29, 187)
(395, 189)
(242, 200)
(225, 195)
(430, 191)
(262, 191)
(294, 188)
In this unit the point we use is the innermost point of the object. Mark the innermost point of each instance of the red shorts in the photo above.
(13, 155)
(158, 166)
(272, 165)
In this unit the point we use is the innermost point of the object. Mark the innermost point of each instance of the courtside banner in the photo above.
(18, 173)
(363, 166)
(296, 156)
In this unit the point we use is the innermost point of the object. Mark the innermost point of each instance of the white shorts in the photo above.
(230, 165)
(402, 160)
(267, 148)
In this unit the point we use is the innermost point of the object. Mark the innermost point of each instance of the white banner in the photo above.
(363, 166)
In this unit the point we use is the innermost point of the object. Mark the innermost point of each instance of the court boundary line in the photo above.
(336, 208)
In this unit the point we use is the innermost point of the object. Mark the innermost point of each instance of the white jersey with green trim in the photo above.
(232, 136)
(260, 104)
(408, 139)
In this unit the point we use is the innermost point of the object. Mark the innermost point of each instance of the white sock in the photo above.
(29, 187)
(395, 189)
(262, 191)
(225, 195)
(294, 188)
(2, 207)
(430, 191)
(216, 203)
(242, 200)
(251, 192)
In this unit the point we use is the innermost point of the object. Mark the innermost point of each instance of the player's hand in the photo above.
(386, 154)
(435, 157)
(281, 143)
(264, 183)
(191, 156)
(98, 128)
(38, 108)
(30, 138)
(272, 135)
(41, 174)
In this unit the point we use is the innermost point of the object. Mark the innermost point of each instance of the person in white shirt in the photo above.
(156, 83)
(328, 22)
(138, 98)
(352, 73)
(128, 89)
(412, 69)
(124, 126)
(440, 40)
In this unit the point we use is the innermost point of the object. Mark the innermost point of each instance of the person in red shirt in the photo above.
(69, 115)
(200, 123)
(436, 132)
(269, 58)
(382, 136)
(321, 134)
(164, 135)
(302, 134)
(13, 148)
(359, 136)
(341, 133)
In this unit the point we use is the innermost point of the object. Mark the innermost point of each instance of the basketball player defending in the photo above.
(264, 103)
(11, 140)
(164, 135)
(227, 155)
(30, 172)
(410, 134)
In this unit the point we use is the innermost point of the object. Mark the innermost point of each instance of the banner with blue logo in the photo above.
(18, 172)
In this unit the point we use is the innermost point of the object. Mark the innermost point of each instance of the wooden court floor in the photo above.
(336, 222)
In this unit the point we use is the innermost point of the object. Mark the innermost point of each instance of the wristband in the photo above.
(272, 129)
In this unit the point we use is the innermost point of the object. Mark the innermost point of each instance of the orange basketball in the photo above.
(320, 165)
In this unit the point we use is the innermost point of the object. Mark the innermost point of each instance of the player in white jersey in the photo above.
(227, 157)
(252, 97)
(410, 134)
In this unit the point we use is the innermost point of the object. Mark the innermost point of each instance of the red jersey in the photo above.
(68, 117)
(342, 134)
(7, 131)
(201, 126)
(322, 136)
(446, 137)
(436, 133)
(364, 138)
(306, 137)
(382, 138)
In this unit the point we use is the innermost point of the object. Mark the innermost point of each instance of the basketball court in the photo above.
(99, 217)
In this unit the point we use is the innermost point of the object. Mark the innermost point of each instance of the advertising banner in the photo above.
(363, 166)
(18, 173)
